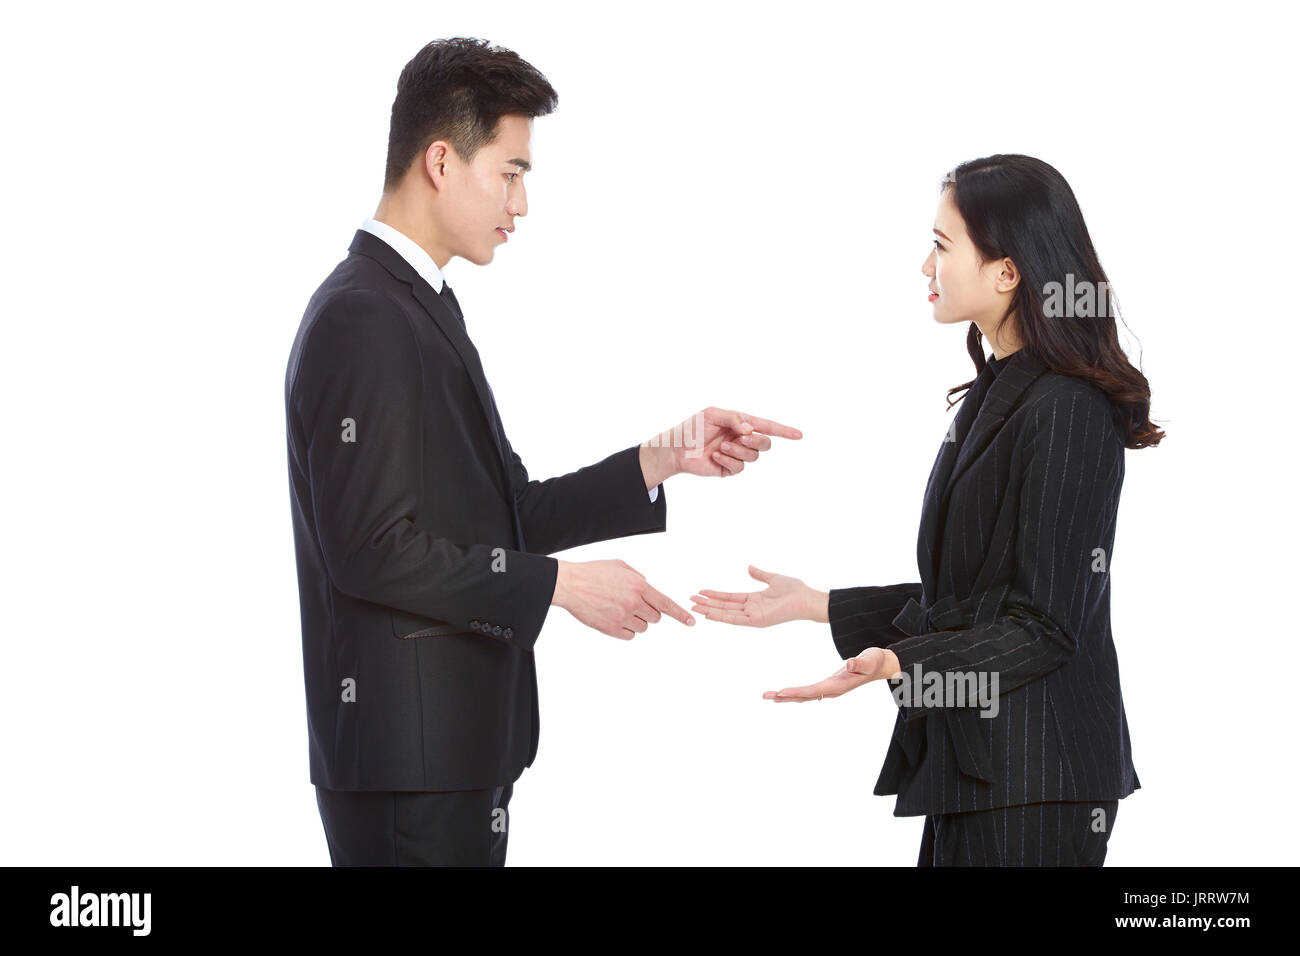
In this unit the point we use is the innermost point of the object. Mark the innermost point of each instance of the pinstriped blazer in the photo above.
(1014, 552)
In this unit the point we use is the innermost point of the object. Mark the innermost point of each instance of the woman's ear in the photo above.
(1007, 277)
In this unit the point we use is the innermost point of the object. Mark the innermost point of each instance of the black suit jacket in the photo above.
(1021, 497)
(421, 542)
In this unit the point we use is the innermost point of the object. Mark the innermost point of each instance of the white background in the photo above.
(730, 208)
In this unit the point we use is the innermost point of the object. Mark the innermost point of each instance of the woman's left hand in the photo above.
(874, 663)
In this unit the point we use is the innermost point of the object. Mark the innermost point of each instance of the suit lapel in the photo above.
(452, 327)
(1003, 395)
(976, 424)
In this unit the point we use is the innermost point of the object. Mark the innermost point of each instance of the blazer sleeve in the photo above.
(596, 503)
(863, 617)
(361, 361)
(1069, 497)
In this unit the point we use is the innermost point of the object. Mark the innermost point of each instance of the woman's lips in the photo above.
(933, 296)
(504, 235)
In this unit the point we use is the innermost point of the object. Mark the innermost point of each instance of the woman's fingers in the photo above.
(841, 682)
(727, 595)
(739, 596)
(725, 616)
(721, 603)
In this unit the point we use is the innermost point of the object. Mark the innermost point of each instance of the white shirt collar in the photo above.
(408, 249)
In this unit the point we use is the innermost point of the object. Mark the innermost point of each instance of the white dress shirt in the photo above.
(408, 249)
(423, 263)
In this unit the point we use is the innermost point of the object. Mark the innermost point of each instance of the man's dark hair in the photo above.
(458, 89)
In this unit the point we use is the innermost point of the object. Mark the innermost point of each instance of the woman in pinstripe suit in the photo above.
(1011, 737)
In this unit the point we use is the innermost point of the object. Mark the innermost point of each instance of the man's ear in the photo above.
(435, 162)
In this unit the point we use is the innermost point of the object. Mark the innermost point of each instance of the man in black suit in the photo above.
(421, 542)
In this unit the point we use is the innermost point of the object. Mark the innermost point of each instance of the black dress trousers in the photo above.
(416, 827)
(1056, 833)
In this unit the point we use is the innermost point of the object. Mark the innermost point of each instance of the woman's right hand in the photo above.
(784, 599)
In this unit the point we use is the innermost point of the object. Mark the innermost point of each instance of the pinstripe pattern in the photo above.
(1013, 512)
(1035, 834)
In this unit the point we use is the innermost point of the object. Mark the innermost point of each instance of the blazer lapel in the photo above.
(986, 406)
(440, 311)
(1003, 394)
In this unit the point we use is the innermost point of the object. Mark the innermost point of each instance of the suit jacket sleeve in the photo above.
(863, 617)
(1069, 496)
(361, 361)
(601, 501)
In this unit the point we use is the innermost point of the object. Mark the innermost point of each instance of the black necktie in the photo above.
(450, 297)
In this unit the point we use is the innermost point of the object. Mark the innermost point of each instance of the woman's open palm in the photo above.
(784, 599)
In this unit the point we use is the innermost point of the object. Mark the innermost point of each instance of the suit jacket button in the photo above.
(508, 632)
(474, 625)
(496, 631)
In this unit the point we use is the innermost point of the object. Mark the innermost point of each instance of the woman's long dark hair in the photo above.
(1021, 208)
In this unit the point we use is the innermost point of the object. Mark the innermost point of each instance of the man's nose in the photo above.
(518, 205)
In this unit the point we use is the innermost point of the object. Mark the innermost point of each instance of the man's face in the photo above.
(482, 199)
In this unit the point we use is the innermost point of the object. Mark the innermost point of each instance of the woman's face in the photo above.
(962, 288)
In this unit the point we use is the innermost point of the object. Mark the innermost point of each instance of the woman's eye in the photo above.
(512, 176)
(936, 242)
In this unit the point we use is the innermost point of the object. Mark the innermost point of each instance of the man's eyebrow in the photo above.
(941, 234)
(523, 164)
